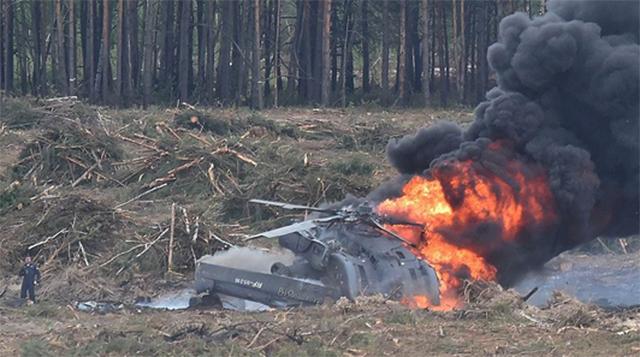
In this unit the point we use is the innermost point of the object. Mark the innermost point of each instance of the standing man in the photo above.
(30, 277)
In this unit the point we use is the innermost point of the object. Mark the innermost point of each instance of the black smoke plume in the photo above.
(567, 100)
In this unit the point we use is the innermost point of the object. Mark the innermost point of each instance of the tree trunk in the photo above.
(72, 47)
(133, 52)
(460, 65)
(202, 43)
(306, 70)
(472, 78)
(36, 22)
(61, 71)
(346, 48)
(268, 52)
(294, 51)
(385, 51)
(185, 51)
(120, 53)
(276, 93)
(315, 55)
(151, 17)
(2, 45)
(9, 22)
(168, 49)
(424, 14)
(402, 53)
(256, 86)
(349, 86)
(23, 52)
(83, 47)
(334, 49)
(239, 60)
(365, 46)
(412, 50)
(91, 57)
(326, 53)
(444, 57)
(211, 44)
(104, 70)
(224, 73)
(454, 35)
(483, 35)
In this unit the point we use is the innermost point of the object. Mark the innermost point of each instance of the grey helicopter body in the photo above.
(345, 253)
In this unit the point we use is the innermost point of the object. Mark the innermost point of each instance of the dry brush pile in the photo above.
(79, 192)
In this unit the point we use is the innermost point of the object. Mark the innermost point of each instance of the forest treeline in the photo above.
(252, 52)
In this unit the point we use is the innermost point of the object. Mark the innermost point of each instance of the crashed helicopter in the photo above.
(345, 252)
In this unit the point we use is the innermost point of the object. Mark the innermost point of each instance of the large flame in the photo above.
(455, 200)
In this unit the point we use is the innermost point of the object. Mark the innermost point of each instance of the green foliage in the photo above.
(35, 347)
(19, 113)
(46, 310)
(353, 165)
(15, 195)
(65, 151)
(193, 119)
(255, 119)
(313, 347)
(402, 317)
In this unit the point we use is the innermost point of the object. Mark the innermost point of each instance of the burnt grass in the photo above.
(69, 185)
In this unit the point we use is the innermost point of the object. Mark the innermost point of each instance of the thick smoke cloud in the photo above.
(567, 98)
(411, 154)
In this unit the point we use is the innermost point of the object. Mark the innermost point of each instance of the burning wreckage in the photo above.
(549, 162)
(348, 252)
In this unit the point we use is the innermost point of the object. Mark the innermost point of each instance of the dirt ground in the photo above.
(370, 328)
(71, 169)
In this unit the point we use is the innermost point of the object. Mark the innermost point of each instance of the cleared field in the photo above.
(92, 188)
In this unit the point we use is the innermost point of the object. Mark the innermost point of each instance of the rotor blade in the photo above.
(394, 235)
(395, 221)
(293, 228)
(291, 206)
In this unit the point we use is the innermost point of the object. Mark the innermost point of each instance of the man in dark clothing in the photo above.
(30, 277)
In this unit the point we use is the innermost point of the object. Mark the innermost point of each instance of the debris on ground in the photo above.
(99, 307)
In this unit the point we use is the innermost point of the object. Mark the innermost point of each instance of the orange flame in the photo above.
(485, 197)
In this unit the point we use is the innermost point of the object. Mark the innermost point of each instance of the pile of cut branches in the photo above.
(59, 230)
(68, 152)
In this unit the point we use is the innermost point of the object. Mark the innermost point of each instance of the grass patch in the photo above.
(35, 347)
(402, 317)
(46, 310)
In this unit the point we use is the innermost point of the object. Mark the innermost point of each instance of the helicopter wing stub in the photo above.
(293, 228)
(290, 206)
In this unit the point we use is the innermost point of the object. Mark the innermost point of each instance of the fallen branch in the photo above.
(173, 228)
(212, 180)
(147, 246)
(212, 235)
(64, 230)
(171, 174)
(170, 130)
(121, 254)
(197, 228)
(186, 220)
(144, 145)
(141, 195)
(84, 254)
(226, 150)
(84, 175)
